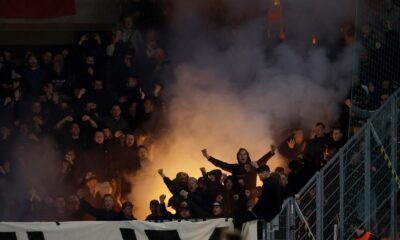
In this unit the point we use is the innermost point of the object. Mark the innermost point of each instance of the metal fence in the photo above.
(360, 182)
(377, 56)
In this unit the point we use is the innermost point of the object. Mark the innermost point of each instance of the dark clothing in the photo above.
(114, 124)
(103, 100)
(238, 170)
(314, 152)
(270, 202)
(35, 79)
(100, 214)
(289, 153)
(121, 217)
(164, 215)
(97, 160)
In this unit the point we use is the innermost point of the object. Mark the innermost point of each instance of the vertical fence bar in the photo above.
(320, 206)
(287, 232)
(393, 153)
(292, 219)
(367, 176)
(341, 194)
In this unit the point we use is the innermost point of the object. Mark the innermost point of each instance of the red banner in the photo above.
(36, 8)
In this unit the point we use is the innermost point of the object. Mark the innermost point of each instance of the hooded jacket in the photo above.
(238, 169)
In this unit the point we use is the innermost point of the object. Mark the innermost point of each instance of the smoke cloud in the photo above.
(233, 88)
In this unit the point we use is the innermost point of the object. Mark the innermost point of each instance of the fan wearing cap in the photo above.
(270, 202)
(218, 210)
(126, 212)
(158, 210)
(359, 231)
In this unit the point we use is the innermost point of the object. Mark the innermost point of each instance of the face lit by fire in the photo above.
(264, 175)
(99, 137)
(107, 133)
(299, 137)
(116, 111)
(337, 135)
(129, 140)
(277, 2)
(228, 184)
(283, 180)
(217, 210)
(319, 131)
(108, 202)
(143, 154)
(243, 156)
(75, 130)
(91, 184)
(127, 211)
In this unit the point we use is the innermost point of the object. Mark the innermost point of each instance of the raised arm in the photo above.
(171, 185)
(264, 159)
(165, 214)
(218, 163)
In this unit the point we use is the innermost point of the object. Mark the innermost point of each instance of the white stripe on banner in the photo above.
(123, 230)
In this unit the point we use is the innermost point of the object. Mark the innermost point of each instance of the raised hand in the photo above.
(291, 143)
(205, 153)
(162, 198)
(273, 148)
(161, 172)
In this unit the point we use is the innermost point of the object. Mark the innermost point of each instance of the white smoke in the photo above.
(230, 91)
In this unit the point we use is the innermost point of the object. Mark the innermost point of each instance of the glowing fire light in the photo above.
(314, 40)
(181, 157)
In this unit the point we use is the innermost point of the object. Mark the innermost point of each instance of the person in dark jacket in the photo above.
(270, 202)
(244, 168)
(158, 210)
(313, 155)
(107, 213)
(126, 212)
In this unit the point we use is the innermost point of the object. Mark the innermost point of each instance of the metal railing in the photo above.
(360, 182)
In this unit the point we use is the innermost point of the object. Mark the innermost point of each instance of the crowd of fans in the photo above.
(378, 66)
(76, 122)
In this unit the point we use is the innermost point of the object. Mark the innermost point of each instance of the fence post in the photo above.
(367, 176)
(288, 212)
(393, 153)
(320, 205)
(341, 195)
